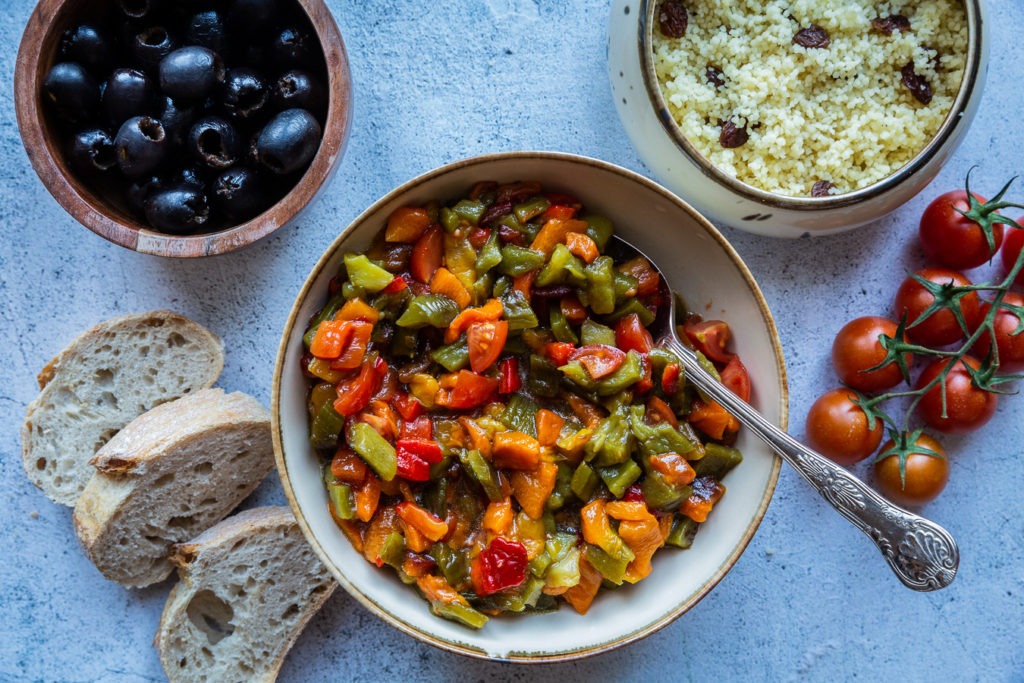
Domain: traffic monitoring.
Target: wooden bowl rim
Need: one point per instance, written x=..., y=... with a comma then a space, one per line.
x=77, y=200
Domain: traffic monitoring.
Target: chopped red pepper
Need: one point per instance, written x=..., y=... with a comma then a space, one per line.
x=397, y=285
x=417, y=428
x=427, y=254
x=428, y=449
x=559, y=212
x=415, y=457
x=500, y=565
x=558, y=352
x=631, y=335
x=478, y=237
x=355, y=394
x=670, y=379
x=509, y=381
x=407, y=406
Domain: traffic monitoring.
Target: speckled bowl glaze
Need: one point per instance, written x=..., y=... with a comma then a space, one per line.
x=671, y=157
x=700, y=264
x=106, y=215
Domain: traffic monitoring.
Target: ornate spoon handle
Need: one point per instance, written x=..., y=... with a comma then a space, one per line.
x=922, y=554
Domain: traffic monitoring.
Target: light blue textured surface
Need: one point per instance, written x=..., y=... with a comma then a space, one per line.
x=809, y=600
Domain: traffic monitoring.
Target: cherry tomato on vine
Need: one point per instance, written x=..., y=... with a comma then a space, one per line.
x=1010, y=345
x=838, y=428
x=856, y=348
x=1012, y=247
x=966, y=408
x=939, y=328
x=952, y=240
x=924, y=475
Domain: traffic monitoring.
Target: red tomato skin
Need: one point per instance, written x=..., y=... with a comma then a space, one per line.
x=951, y=240
x=941, y=327
x=1012, y=246
x=710, y=337
x=837, y=428
x=1010, y=345
x=856, y=348
x=427, y=254
x=631, y=335
x=735, y=376
x=486, y=342
x=967, y=407
x=926, y=475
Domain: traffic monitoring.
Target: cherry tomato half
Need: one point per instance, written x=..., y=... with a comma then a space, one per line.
x=735, y=376
x=710, y=337
x=486, y=342
x=952, y=240
x=1012, y=247
x=1009, y=345
x=427, y=254
x=600, y=360
x=940, y=328
x=924, y=475
x=856, y=349
x=631, y=335
x=838, y=428
x=966, y=408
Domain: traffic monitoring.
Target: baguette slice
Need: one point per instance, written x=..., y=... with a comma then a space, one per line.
x=248, y=586
x=172, y=473
x=103, y=380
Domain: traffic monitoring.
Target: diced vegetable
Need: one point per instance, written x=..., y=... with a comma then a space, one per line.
x=375, y=450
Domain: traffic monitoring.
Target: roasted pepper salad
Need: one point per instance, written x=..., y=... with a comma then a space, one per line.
x=495, y=421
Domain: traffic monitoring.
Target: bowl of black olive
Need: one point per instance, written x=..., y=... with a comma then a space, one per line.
x=183, y=127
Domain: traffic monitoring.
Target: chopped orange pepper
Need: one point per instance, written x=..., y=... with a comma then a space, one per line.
x=532, y=488
x=367, y=497
x=416, y=567
x=357, y=309
x=427, y=523
x=643, y=538
x=515, y=451
x=498, y=517
x=646, y=275
x=549, y=426
x=444, y=282
x=674, y=468
x=712, y=419
x=492, y=310
x=356, y=337
x=580, y=244
x=572, y=309
x=664, y=525
x=329, y=340
x=594, y=522
x=659, y=411
x=348, y=467
x=406, y=224
x=414, y=540
x=706, y=492
x=582, y=594
x=554, y=232
x=437, y=589
x=382, y=524
x=350, y=529
x=590, y=414
x=524, y=283
x=479, y=438
x=632, y=510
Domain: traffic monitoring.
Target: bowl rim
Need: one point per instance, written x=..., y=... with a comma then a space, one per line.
x=330, y=256
x=973, y=73
x=49, y=18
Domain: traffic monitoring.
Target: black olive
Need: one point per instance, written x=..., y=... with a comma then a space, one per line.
x=239, y=193
x=293, y=46
x=177, y=209
x=300, y=89
x=252, y=15
x=176, y=118
x=88, y=46
x=196, y=176
x=92, y=150
x=191, y=73
x=215, y=142
x=207, y=29
x=128, y=93
x=140, y=145
x=245, y=93
x=289, y=141
x=138, y=191
x=150, y=45
x=71, y=91
x=140, y=9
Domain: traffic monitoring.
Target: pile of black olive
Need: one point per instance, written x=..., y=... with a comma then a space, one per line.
x=198, y=114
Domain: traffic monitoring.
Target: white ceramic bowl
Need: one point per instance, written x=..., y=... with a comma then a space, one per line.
x=673, y=160
x=699, y=263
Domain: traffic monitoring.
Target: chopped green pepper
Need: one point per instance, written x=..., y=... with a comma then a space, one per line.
x=455, y=611
x=619, y=477
x=683, y=532
x=470, y=210
x=560, y=326
x=661, y=495
x=531, y=208
x=375, y=450
x=718, y=460
x=518, y=312
x=342, y=502
x=611, y=568
x=596, y=333
x=365, y=274
x=326, y=427
x=543, y=379
x=481, y=471
x=612, y=441
x=490, y=254
x=452, y=357
x=435, y=310
x=520, y=415
x=517, y=261
x=584, y=481
x=562, y=268
x=600, y=285
x=599, y=229
x=657, y=438
x=632, y=306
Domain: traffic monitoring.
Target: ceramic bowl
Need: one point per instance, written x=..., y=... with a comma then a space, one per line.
x=700, y=264
x=103, y=213
x=726, y=200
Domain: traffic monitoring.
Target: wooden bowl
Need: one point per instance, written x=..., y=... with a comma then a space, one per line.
x=103, y=214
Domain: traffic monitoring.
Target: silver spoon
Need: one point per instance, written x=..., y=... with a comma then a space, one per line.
x=922, y=554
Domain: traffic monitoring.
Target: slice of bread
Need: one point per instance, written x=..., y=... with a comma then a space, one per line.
x=248, y=586
x=103, y=380
x=170, y=474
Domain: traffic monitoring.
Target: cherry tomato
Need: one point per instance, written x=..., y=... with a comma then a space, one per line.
x=600, y=360
x=856, y=349
x=486, y=342
x=838, y=428
x=631, y=335
x=427, y=254
x=710, y=338
x=940, y=328
x=924, y=475
x=1012, y=247
x=967, y=407
x=1005, y=324
x=735, y=376
x=952, y=240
